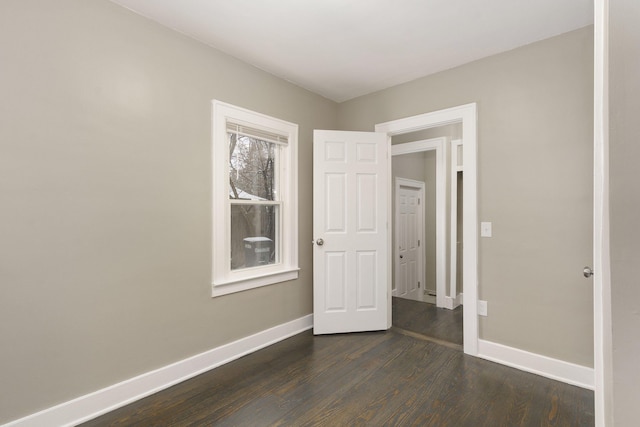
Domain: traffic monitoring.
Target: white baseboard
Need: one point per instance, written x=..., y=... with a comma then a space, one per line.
x=452, y=303
x=459, y=299
x=555, y=369
x=102, y=401
x=448, y=303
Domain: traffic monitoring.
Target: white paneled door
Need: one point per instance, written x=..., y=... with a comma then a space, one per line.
x=409, y=236
x=350, y=226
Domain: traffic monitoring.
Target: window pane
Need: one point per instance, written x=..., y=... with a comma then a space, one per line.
x=253, y=235
x=252, y=168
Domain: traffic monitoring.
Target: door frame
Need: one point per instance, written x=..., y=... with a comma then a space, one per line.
x=440, y=146
x=420, y=186
x=455, y=167
x=602, y=310
x=467, y=115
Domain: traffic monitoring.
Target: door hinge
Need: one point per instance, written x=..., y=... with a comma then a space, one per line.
x=418, y=285
x=418, y=242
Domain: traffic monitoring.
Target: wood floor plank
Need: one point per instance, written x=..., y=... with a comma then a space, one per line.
x=271, y=372
x=426, y=319
x=368, y=379
x=366, y=401
x=331, y=399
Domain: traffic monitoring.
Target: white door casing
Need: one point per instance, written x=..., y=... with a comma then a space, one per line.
x=602, y=315
x=409, y=239
x=350, y=225
x=454, y=242
x=467, y=115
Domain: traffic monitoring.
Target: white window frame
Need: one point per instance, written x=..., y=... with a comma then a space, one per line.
x=224, y=279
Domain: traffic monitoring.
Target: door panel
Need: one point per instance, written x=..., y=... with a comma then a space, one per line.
x=335, y=285
x=366, y=299
x=350, y=220
x=336, y=203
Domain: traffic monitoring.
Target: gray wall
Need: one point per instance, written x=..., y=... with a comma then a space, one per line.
x=535, y=184
x=625, y=207
x=105, y=182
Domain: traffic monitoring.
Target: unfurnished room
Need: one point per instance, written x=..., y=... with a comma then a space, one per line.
x=304, y=212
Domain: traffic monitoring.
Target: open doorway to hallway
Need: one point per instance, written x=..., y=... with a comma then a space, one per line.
x=427, y=233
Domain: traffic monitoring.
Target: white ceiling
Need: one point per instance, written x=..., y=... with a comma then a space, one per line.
x=342, y=49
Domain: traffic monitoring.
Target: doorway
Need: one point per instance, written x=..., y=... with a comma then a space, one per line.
x=425, y=160
x=434, y=311
x=465, y=116
x=353, y=263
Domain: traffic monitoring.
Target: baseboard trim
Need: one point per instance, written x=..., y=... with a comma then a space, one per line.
x=555, y=369
x=448, y=303
x=102, y=401
x=452, y=303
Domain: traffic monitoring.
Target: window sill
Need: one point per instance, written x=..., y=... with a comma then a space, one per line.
x=225, y=287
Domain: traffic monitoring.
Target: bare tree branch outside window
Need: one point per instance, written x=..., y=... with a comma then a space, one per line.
x=252, y=165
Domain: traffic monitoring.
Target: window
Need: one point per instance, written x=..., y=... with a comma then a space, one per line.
x=255, y=212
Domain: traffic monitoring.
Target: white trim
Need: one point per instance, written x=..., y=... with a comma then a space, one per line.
x=94, y=404
x=602, y=331
x=453, y=225
x=452, y=303
x=449, y=302
x=467, y=114
x=223, y=279
x=548, y=367
x=421, y=187
x=439, y=145
x=418, y=146
x=224, y=288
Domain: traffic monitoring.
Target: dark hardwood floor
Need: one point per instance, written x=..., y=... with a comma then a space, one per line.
x=426, y=319
x=373, y=379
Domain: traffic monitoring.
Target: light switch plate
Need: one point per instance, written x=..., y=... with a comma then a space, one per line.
x=482, y=308
x=485, y=229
